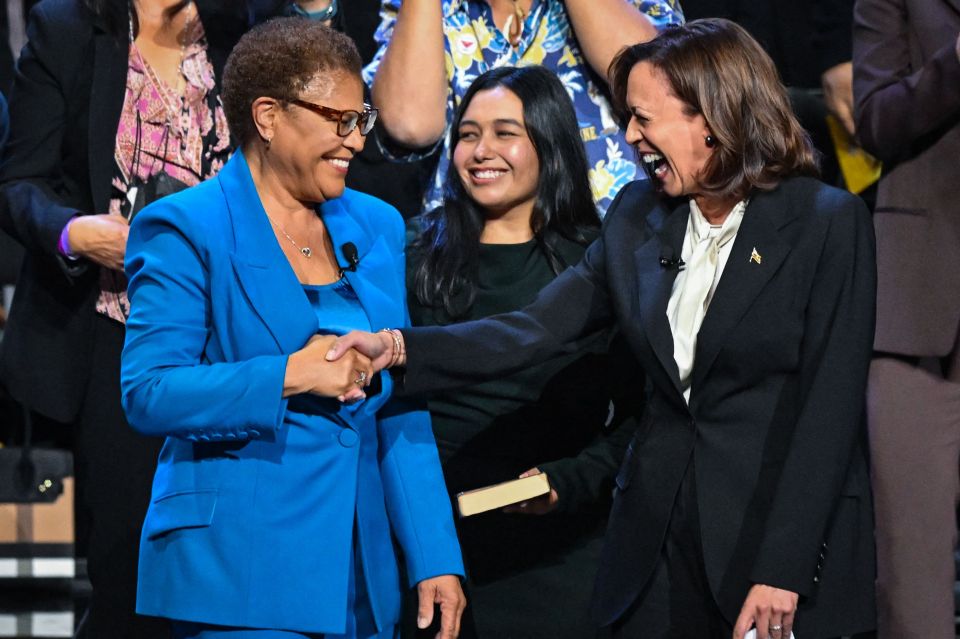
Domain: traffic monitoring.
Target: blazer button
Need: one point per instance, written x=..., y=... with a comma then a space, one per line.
x=348, y=438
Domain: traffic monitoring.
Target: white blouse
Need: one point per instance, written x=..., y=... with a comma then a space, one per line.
x=706, y=248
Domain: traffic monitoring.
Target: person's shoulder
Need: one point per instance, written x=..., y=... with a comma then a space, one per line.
x=637, y=204
x=414, y=228
x=60, y=33
x=192, y=212
x=369, y=208
x=65, y=19
x=836, y=217
x=822, y=203
x=374, y=215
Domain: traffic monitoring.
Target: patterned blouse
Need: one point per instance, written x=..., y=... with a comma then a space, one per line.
x=473, y=45
x=178, y=131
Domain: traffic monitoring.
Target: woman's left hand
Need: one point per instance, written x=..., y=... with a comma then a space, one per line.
x=538, y=505
x=770, y=609
x=446, y=591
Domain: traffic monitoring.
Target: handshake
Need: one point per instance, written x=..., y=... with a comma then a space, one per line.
x=342, y=367
x=365, y=354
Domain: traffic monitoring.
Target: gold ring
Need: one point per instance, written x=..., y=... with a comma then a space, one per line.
x=361, y=378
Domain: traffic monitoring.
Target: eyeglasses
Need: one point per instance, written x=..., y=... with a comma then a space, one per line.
x=347, y=120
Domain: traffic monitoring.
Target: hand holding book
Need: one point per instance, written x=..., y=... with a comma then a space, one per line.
x=538, y=505
x=515, y=495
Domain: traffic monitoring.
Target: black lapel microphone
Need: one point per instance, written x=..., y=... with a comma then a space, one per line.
x=349, y=251
x=667, y=260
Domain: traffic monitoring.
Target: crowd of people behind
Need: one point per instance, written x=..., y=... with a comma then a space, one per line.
x=297, y=273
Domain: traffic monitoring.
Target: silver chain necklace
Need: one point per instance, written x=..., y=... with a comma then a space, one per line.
x=305, y=250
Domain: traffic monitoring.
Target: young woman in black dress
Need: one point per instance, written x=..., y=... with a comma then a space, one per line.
x=519, y=211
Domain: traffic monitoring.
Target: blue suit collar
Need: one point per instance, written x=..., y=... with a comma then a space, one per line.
x=266, y=276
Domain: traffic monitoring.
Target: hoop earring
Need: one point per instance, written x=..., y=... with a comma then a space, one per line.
x=710, y=141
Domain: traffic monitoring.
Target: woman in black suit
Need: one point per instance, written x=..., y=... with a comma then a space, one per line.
x=743, y=500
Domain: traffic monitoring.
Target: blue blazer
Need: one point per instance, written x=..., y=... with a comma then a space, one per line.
x=252, y=516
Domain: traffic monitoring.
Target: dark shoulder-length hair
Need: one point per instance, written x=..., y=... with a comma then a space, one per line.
x=449, y=242
x=719, y=71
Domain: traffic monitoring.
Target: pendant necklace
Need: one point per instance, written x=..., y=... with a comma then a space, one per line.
x=514, y=24
x=304, y=250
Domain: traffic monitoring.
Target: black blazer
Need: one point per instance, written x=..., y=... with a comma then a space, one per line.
x=775, y=416
x=64, y=111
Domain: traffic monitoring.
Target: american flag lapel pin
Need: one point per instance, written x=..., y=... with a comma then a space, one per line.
x=755, y=257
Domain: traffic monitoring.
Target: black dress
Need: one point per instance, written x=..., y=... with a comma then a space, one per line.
x=532, y=576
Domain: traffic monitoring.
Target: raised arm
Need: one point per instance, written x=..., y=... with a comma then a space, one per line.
x=897, y=101
x=410, y=85
x=603, y=27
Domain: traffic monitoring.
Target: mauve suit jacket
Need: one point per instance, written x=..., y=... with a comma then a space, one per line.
x=907, y=90
x=774, y=423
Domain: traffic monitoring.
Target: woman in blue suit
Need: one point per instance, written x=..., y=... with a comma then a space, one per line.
x=273, y=503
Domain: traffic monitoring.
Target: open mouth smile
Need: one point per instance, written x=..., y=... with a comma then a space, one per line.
x=486, y=175
x=655, y=165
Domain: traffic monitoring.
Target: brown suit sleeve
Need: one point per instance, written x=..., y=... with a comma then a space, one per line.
x=897, y=102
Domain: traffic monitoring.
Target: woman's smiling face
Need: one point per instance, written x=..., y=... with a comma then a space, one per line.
x=313, y=158
x=494, y=157
x=670, y=138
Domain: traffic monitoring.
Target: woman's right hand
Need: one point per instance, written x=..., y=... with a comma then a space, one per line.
x=100, y=238
x=309, y=371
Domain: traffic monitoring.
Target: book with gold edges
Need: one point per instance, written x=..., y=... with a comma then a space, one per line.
x=481, y=500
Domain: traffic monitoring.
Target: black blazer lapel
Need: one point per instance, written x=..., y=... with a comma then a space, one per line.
x=655, y=283
x=106, y=103
x=743, y=277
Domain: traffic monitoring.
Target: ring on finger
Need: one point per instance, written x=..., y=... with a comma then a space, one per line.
x=361, y=378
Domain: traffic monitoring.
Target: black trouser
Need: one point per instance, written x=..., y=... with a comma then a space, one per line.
x=114, y=470
x=677, y=603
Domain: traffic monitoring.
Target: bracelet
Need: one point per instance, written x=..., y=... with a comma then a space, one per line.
x=63, y=246
x=398, y=350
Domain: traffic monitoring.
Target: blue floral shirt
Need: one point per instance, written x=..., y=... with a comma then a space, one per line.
x=473, y=44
